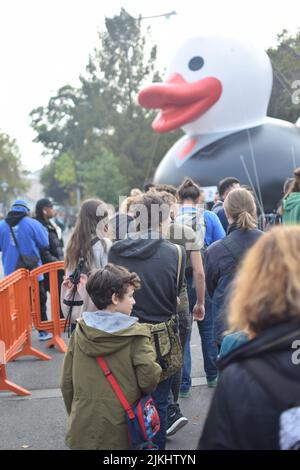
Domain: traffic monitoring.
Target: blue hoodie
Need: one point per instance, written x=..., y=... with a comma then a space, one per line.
x=30, y=234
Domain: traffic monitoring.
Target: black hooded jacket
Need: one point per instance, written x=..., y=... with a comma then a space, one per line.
x=243, y=416
x=155, y=260
x=13, y=218
x=55, y=251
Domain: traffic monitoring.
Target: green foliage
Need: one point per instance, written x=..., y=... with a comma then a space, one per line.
x=52, y=186
x=10, y=167
x=285, y=60
x=102, y=178
x=65, y=170
x=101, y=120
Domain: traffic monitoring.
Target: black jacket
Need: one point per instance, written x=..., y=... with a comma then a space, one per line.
x=242, y=415
x=55, y=251
x=219, y=262
x=220, y=268
x=155, y=261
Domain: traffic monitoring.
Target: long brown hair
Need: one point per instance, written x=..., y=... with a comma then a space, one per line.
x=240, y=205
x=294, y=186
x=266, y=290
x=92, y=221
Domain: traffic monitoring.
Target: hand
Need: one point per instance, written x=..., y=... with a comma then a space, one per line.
x=82, y=283
x=199, y=312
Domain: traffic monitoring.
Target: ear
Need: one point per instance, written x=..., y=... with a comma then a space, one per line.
x=114, y=299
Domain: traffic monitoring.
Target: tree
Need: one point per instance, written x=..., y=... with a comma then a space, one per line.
x=52, y=186
x=285, y=60
x=103, y=179
x=120, y=67
x=103, y=111
x=11, y=176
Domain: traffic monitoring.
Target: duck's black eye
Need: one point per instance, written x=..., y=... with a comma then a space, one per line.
x=196, y=63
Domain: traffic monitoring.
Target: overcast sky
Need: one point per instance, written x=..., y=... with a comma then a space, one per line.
x=44, y=44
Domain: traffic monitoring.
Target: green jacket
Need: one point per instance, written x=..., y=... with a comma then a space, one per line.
x=96, y=417
x=291, y=209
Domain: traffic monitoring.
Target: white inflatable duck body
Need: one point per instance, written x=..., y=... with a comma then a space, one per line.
x=218, y=91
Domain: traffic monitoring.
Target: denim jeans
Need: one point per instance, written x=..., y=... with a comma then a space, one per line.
x=160, y=398
x=208, y=343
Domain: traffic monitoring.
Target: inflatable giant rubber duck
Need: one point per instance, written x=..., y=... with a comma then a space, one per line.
x=217, y=91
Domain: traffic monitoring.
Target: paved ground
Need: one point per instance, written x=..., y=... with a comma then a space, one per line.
x=39, y=421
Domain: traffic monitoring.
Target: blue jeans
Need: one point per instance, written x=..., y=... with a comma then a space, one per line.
x=160, y=398
x=208, y=343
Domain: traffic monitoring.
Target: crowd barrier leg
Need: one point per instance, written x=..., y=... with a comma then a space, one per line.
x=56, y=325
x=15, y=326
x=28, y=350
x=7, y=385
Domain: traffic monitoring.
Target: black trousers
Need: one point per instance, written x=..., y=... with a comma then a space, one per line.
x=60, y=278
x=43, y=301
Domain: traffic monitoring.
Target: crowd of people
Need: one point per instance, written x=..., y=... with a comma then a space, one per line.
x=145, y=273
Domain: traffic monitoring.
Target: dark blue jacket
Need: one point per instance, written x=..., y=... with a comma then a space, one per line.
x=220, y=267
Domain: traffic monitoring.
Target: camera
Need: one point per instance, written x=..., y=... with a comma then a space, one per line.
x=75, y=275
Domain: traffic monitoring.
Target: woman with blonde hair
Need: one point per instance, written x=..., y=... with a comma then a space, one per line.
x=223, y=256
x=257, y=401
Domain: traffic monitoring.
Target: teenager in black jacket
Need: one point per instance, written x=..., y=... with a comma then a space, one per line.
x=257, y=400
x=44, y=212
x=223, y=256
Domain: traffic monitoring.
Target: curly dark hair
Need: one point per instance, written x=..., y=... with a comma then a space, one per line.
x=150, y=210
x=111, y=279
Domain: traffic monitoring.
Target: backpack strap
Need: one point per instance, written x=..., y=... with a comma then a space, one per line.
x=179, y=265
x=233, y=247
x=108, y=374
x=17, y=244
x=94, y=241
x=277, y=385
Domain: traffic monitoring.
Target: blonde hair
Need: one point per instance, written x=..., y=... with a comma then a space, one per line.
x=266, y=289
x=125, y=205
x=135, y=192
x=240, y=205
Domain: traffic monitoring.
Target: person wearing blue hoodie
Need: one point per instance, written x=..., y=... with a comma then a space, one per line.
x=32, y=238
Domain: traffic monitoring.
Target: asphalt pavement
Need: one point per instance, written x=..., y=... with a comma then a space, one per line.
x=39, y=420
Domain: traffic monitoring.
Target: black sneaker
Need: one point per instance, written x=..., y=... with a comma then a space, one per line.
x=175, y=419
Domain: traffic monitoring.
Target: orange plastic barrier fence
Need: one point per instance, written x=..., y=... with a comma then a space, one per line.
x=55, y=325
x=15, y=326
